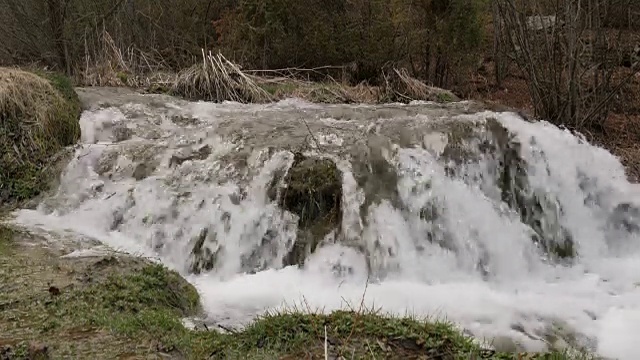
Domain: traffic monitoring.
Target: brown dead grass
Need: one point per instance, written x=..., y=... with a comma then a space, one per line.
x=38, y=117
x=328, y=92
x=399, y=86
x=37, y=105
x=217, y=79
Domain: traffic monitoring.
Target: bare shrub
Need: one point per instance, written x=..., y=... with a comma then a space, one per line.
x=111, y=65
x=569, y=57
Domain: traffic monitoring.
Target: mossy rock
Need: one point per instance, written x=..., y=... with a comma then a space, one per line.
x=517, y=193
x=313, y=191
x=202, y=257
x=39, y=116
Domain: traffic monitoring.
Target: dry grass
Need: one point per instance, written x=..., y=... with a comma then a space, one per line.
x=218, y=79
x=328, y=92
x=111, y=65
x=37, y=104
x=399, y=86
x=37, y=120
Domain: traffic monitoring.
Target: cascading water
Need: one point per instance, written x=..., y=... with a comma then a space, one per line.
x=508, y=228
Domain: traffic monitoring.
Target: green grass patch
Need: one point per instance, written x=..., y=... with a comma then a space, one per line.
x=127, y=308
x=148, y=306
x=38, y=117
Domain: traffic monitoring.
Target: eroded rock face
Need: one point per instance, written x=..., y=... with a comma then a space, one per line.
x=202, y=257
x=540, y=211
x=313, y=191
x=506, y=169
x=374, y=174
x=199, y=153
x=625, y=217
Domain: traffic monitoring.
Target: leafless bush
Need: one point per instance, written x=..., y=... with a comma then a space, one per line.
x=569, y=57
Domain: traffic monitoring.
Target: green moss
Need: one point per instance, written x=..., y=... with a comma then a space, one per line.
x=444, y=97
x=159, y=89
x=123, y=77
x=38, y=118
x=281, y=89
x=314, y=193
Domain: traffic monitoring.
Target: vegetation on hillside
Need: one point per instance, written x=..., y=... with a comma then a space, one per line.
x=576, y=57
x=38, y=118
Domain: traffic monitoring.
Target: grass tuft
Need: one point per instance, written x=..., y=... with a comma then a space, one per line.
x=218, y=79
x=399, y=86
x=38, y=117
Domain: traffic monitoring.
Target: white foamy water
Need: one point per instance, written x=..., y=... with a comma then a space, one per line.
x=188, y=169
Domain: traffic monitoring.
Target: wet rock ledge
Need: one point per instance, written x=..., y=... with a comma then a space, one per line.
x=312, y=189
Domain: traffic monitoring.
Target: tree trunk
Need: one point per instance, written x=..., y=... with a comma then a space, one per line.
x=57, y=12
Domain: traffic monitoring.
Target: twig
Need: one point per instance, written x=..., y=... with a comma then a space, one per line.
x=326, y=346
x=311, y=133
x=371, y=351
x=227, y=329
x=359, y=312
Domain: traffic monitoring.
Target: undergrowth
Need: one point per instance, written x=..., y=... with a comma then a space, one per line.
x=38, y=117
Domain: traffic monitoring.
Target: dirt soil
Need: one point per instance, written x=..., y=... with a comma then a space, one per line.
x=40, y=288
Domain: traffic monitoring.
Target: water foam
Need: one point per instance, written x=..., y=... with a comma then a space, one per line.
x=479, y=269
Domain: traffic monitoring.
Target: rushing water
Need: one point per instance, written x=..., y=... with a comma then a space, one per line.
x=439, y=208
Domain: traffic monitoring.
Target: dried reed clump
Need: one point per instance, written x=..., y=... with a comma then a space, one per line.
x=110, y=65
x=399, y=86
x=37, y=118
x=218, y=79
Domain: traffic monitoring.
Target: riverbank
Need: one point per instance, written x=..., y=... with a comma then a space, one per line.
x=60, y=300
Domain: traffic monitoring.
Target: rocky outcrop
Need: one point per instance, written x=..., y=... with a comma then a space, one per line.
x=313, y=191
x=540, y=211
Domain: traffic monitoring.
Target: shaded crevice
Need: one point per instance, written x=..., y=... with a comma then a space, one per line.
x=203, y=259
